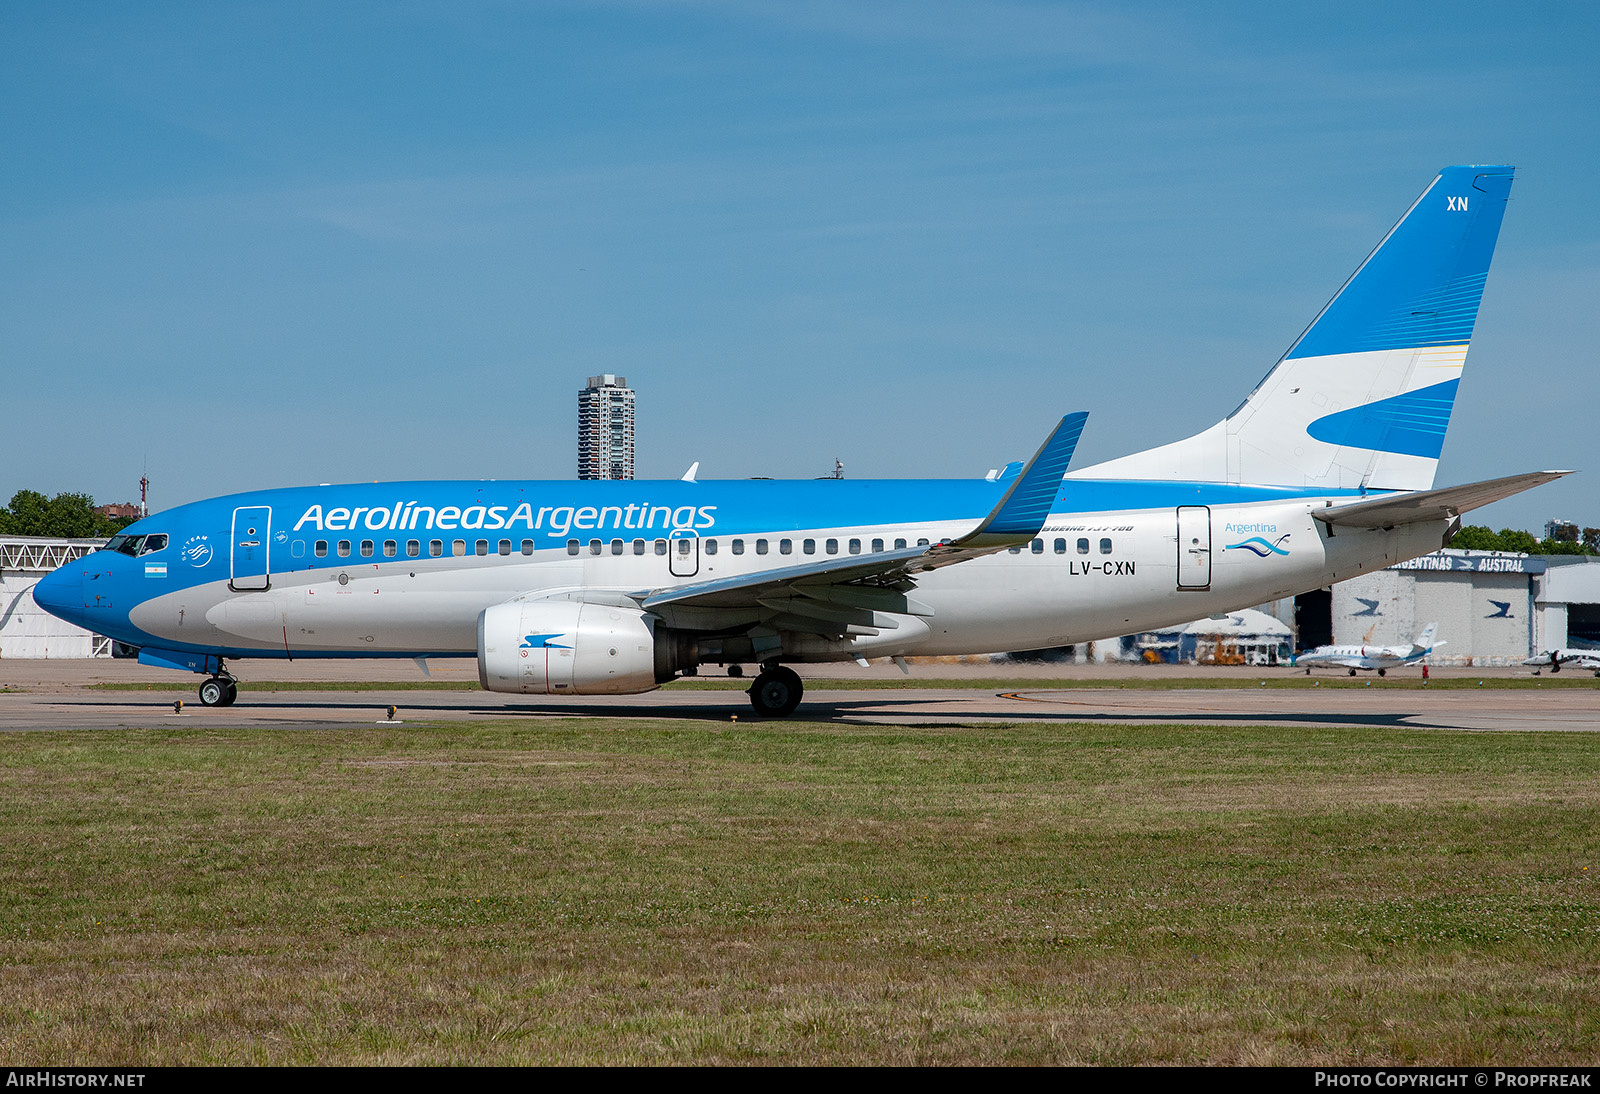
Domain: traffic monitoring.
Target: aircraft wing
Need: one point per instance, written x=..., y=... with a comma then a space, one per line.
x=854, y=584
x=1429, y=505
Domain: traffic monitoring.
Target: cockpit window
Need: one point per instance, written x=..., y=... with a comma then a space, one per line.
x=134, y=546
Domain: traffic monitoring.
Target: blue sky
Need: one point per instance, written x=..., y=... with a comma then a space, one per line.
x=260, y=245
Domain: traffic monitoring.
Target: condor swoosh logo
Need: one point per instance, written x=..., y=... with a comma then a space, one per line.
x=1260, y=547
x=542, y=642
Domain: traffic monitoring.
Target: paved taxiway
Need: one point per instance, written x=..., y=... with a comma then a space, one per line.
x=60, y=695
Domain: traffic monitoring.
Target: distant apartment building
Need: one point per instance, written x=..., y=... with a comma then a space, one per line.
x=605, y=428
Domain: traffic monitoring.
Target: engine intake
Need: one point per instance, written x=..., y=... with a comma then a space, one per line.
x=558, y=647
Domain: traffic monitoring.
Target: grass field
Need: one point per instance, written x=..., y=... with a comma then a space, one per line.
x=638, y=891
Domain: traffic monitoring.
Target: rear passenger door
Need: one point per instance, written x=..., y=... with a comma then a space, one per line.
x=1194, y=547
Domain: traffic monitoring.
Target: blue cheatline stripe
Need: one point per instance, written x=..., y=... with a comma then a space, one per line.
x=1030, y=500
x=1422, y=286
x=1412, y=424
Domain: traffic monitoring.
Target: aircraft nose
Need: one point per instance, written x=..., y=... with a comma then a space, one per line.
x=60, y=593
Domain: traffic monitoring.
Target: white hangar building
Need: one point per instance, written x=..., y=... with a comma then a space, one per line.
x=1492, y=607
x=26, y=630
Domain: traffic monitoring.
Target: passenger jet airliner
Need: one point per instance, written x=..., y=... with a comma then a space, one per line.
x=1324, y=472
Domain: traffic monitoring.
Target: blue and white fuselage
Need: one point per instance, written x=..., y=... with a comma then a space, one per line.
x=1323, y=473
x=404, y=569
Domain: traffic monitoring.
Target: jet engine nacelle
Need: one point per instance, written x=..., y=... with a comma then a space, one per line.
x=558, y=647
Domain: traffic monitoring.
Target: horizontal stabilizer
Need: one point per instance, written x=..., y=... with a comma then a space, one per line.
x=1428, y=505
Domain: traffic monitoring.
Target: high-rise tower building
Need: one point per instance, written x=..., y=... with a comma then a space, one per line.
x=605, y=428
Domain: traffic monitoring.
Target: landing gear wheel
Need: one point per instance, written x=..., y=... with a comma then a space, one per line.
x=1383, y=672
x=219, y=691
x=1352, y=672
x=776, y=692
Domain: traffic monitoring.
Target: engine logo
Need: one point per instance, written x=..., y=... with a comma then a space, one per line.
x=542, y=642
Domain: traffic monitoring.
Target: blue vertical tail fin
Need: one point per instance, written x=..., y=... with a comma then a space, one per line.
x=1363, y=397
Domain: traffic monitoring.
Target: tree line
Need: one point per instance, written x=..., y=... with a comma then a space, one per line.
x=65, y=515
x=1568, y=540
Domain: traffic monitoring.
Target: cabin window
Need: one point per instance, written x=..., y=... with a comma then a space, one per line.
x=527, y=546
x=899, y=544
x=616, y=546
x=366, y=548
x=1105, y=546
x=1038, y=546
x=572, y=546
x=504, y=546
x=481, y=547
x=809, y=546
x=1083, y=546
x=661, y=546
x=877, y=545
x=786, y=546
x=344, y=548
x=595, y=547
x=1061, y=546
x=738, y=546
x=922, y=543
x=458, y=548
x=638, y=546
x=298, y=548
x=413, y=548
x=1015, y=550
x=711, y=546
x=683, y=547
x=436, y=548
x=390, y=548
x=855, y=546
x=761, y=546
x=833, y=546
x=320, y=548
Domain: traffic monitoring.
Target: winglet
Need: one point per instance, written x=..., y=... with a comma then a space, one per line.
x=1021, y=512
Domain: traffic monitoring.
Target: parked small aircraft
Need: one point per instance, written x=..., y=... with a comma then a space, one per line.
x=1556, y=660
x=1367, y=658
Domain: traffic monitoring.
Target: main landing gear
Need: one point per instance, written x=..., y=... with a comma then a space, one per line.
x=219, y=691
x=776, y=692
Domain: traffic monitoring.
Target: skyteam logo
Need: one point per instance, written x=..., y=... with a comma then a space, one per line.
x=1257, y=545
x=196, y=551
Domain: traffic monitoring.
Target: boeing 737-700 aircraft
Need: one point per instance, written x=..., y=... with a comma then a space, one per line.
x=1325, y=471
x=1367, y=658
